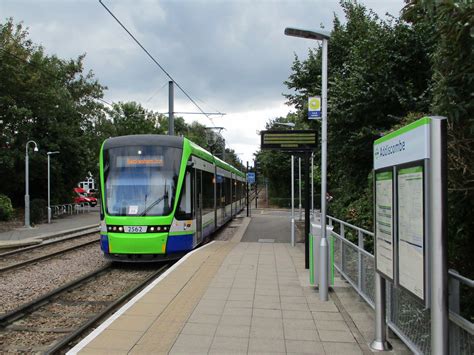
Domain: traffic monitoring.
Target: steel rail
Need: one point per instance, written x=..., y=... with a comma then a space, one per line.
x=43, y=257
x=79, y=331
x=9, y=317
x=63, y=238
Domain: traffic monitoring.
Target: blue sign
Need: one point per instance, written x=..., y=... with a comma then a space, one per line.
x=251, y=177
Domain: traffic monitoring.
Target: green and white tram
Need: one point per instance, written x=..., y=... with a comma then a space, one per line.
x=162, y=196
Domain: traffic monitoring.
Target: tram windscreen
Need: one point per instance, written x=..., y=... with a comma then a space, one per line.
x=141, y=180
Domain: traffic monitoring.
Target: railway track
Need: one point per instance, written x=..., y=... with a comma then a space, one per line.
x=49, y=323
x=25, y=256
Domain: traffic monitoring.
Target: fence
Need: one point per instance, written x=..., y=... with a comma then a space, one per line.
x=406, y=316
x=68, y=209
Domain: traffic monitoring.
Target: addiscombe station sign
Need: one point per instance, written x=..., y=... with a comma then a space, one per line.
x=410, y=207
x=400, y=160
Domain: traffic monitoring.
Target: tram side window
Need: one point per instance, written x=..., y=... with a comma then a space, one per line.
x=220, y=190
x=235, y=191
x=207, y=191
x=227, y=186
x=185, y=209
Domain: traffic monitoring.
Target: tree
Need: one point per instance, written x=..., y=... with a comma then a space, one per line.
x=453, y=87
x=379, y=71
x=47, y=99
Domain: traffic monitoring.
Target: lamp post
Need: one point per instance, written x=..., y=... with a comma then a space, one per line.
x=323, y=250
x=27, y=187
x=49, y=184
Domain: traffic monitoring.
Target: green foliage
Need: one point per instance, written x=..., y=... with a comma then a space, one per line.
x=38, y=210
x=379, y=72
x=55, y=103
x=47, y=99
x=6, y=208
x=453, y=88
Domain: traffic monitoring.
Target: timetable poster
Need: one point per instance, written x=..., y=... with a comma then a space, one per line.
x=410, y=230
x=384, y=222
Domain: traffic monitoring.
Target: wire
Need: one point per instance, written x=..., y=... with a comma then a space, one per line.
x=156, y=92
x=155, y=61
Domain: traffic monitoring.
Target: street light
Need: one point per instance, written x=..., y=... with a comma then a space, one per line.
x=49, y=184
x=323, y=250
x=27, y=187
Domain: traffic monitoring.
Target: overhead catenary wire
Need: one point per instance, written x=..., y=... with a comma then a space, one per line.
x=156, y=62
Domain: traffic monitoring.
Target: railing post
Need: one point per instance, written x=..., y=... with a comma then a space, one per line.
x=359, y=261
x=343, y=254
x=454, y=306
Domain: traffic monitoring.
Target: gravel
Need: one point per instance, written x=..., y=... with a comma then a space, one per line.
x=23, y=285
x=46, y=249
x=70, y=310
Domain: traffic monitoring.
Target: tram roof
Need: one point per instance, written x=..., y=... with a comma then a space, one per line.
x=144, y=139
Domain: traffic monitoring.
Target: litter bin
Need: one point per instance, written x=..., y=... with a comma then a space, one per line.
x=314, y=243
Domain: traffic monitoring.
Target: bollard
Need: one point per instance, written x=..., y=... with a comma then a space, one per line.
x=380, y=342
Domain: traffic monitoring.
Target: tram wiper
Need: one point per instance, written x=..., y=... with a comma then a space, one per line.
x=154, y=204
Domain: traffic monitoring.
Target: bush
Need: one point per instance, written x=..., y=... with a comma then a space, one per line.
x=38, y=210
x=6, y=208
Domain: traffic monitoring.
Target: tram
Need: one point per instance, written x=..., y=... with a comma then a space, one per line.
x=162, y=196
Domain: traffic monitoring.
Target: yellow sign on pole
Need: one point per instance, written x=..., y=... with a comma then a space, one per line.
x=314, y=107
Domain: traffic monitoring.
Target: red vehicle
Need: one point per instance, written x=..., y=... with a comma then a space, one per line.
x=84, y=198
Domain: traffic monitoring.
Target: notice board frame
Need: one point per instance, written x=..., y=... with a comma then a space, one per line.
x=424, y=164
x=378, y=171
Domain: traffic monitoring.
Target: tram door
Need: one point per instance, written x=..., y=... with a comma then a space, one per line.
x=198, y=203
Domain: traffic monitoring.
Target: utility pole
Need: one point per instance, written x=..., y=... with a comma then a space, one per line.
x=171, y=109
x=299, y=182
x=256, y=182
x=312, y=185
x=292, y=200
x=223, y=150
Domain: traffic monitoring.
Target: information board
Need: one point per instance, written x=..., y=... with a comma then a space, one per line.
x=297, y=141
x=411, y=229
x=384, y=223
x=251, y=177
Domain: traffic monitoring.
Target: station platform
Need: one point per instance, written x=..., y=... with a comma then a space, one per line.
x=64, y=225
x=249, y=294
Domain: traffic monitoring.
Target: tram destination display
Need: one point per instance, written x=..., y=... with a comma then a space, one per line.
x=384, y=222
x=411, y=230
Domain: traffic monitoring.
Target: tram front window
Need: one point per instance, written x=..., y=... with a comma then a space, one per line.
x=141, y=180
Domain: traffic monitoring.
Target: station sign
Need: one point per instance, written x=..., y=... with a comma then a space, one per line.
x=400, y=160
x=251, y=177
x=293, y=141
x=314, y=107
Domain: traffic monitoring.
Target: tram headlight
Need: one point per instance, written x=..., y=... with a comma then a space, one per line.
x=152, y=229
x=120, y=229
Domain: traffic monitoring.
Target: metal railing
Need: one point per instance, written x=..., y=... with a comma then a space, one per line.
x=406, y=315
x=68, y=209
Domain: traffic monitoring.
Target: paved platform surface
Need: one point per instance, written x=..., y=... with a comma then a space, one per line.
x=236, y=297
x=57, y=226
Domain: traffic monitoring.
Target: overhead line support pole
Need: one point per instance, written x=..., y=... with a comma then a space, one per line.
x=307, y=190
x=171, y=109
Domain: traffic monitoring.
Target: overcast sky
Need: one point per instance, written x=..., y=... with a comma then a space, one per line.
x=230, y=56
